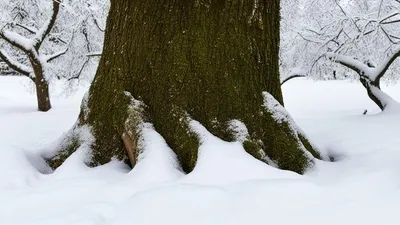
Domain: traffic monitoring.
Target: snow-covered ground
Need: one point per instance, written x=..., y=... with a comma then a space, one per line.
x=228, y=187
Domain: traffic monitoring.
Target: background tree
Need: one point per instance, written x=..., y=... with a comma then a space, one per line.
x=338, y=38
x=31, y=47
x=44, y=40
x=170, y=63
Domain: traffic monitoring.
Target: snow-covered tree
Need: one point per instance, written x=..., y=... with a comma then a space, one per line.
x=338, y=37
x=43, y=40
x=31, y=47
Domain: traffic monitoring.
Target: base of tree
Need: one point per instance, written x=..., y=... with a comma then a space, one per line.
x=271, y=137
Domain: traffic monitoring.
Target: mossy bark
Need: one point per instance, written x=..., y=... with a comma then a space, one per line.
x=207, y=60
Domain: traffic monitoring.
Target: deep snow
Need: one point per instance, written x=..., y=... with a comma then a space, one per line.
x=228, y=187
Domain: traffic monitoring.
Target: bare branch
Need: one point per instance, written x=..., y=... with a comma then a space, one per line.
x=307, y=39
x=349, y=62
x=46, y=28
x=389, y=37
x=31, y=30
x=78, y=75
x=94, y=54
x=16, y=40
x=344, y=13
x=292, y=77
x=391, y=22
x=56, y=55
x=386, y=64
x=97, y=24
x=389, y=17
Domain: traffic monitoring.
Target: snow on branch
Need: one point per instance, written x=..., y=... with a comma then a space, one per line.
x=94, y=54
x=16, y=40
x=384, y=66
x=46, y=28
x=371, y=73
x=351, y=63
x=15, y=65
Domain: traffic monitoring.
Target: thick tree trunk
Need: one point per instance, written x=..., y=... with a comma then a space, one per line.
x=169, y=62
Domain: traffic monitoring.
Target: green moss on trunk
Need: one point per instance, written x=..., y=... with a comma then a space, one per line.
x=207, y=60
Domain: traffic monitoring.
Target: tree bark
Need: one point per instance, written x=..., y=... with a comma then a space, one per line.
x=42, y=87
x=209, y=61
x=379, y=97
x=368, y=86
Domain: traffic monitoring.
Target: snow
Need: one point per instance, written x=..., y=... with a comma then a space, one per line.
x=222, y=163
x=227, y=186
x=158, y=163
x=239, y=130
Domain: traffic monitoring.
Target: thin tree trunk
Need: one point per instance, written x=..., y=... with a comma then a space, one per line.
x=42, y=87
x=42, y=94
x=209, y=61
x=32, y=52
x=380, y=98
x=369, y=86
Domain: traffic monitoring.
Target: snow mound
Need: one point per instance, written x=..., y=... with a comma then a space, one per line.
x=157, y=162
x=222, y=163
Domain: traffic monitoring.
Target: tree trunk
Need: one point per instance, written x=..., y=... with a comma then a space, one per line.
x=371, y=94
x=42, y=86
x=380, y=98
x=169, y=62
x=42, y=95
